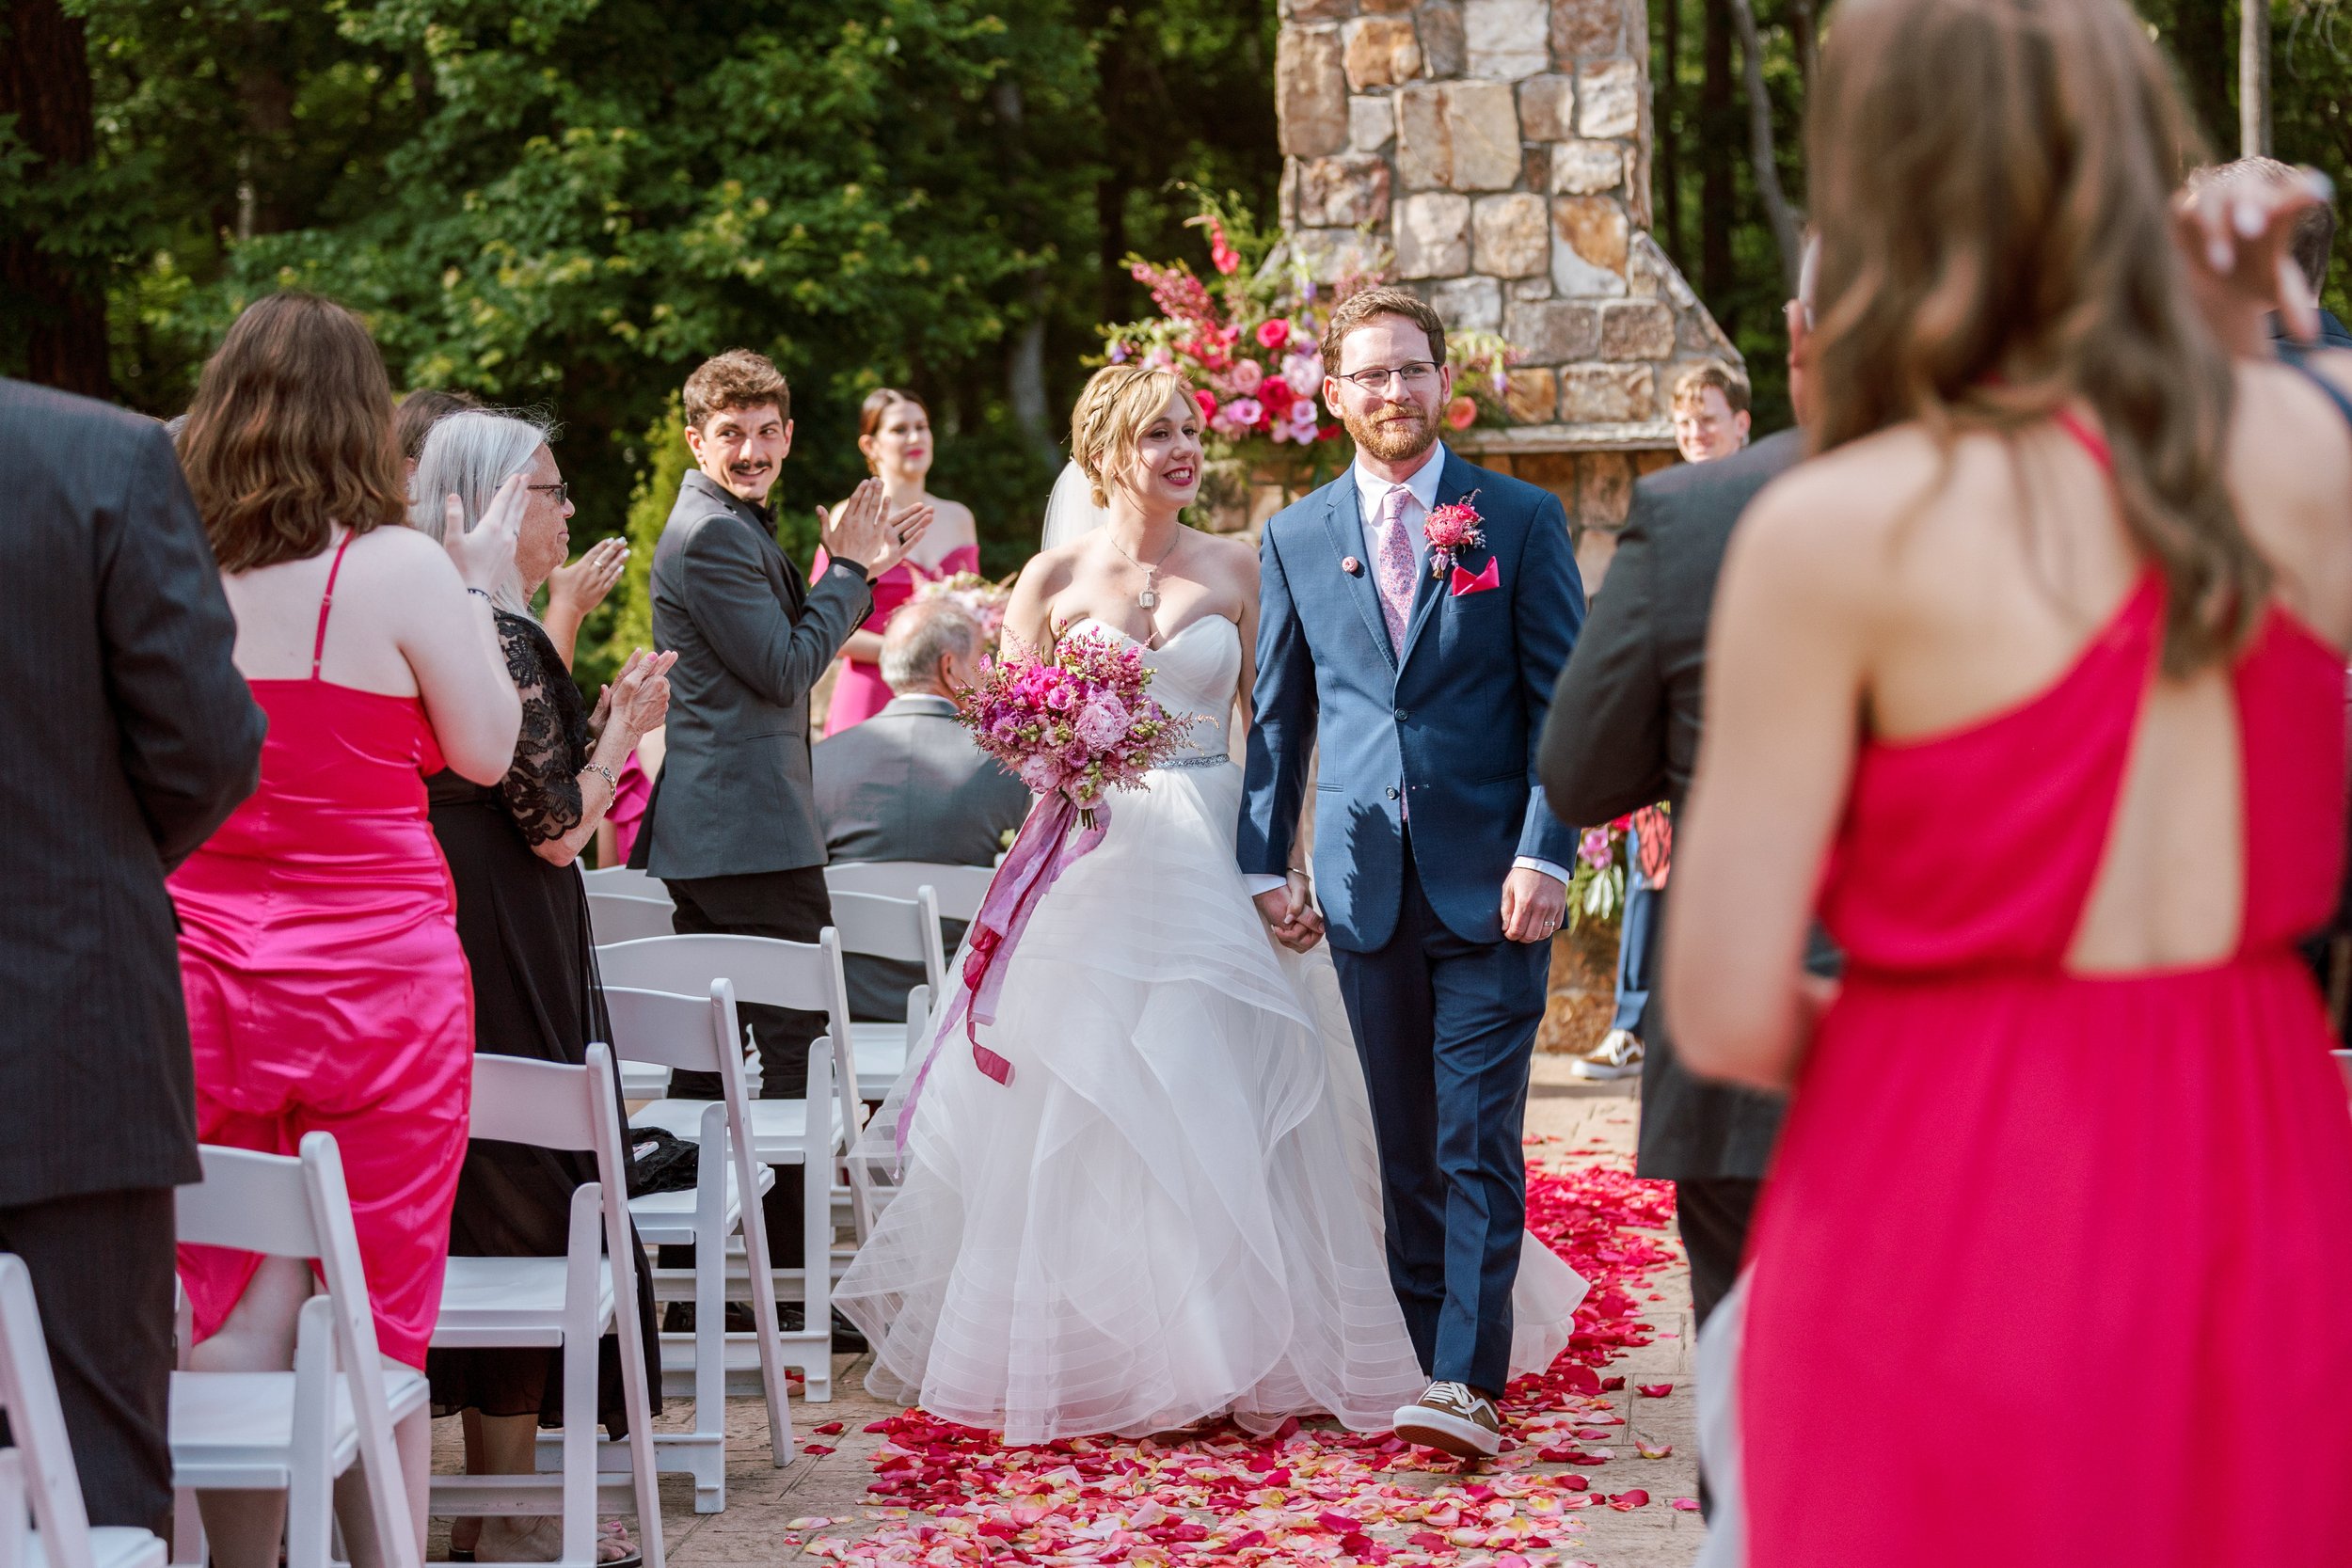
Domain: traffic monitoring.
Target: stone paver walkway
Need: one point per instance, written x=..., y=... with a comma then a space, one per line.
x=1589, y=1122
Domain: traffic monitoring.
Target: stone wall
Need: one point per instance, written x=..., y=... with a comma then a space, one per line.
x=1500, y=149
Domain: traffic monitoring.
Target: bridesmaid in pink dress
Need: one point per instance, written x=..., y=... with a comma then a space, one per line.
x=894, y=431
x=325, y=988
x=2035, y=673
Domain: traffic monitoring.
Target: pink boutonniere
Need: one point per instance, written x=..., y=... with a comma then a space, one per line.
x=1452, y=530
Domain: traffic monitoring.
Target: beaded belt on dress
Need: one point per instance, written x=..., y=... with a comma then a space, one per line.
x=1207, y=759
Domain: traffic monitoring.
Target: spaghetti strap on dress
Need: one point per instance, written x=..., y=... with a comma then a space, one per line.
x=325, y=988
x=2052, y=1267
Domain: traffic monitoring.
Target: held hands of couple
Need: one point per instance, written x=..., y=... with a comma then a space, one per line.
x=865, y=530
x=1289, y=913
x=485, y=554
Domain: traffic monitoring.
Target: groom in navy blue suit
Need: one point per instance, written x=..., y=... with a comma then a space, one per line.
x=1439, y=870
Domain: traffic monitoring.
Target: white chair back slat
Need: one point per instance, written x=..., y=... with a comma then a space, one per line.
x=622, y=917
x=906, y=930
x=958, y=888
x=28, y=1392
x=626, y=881
x=541, y=1103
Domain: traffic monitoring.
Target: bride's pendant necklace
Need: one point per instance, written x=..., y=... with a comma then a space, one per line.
x=1149, y=600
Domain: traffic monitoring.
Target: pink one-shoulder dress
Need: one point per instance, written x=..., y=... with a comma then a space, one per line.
x=325, y=988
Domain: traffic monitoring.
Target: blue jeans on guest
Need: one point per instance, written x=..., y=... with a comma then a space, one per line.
x=1637, y=943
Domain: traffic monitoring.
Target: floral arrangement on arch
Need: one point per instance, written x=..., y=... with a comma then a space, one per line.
x=1596, y=880
x=1248, y=337
x=982, y=598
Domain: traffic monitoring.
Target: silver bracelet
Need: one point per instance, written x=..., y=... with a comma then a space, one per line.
x=611, y=785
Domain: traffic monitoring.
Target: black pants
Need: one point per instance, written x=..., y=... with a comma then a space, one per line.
x=102, y=1268
x=1712, y=1215
x=794, y=905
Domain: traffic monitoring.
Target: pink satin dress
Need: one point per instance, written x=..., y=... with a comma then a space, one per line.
x=325, y=988
x=858, y=690
x=2056, y=1269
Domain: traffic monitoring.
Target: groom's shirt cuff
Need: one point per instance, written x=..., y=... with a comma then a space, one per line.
x=1259, y=884
x=1529, y=862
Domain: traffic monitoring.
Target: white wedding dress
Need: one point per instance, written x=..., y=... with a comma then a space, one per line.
x=1172, y=1210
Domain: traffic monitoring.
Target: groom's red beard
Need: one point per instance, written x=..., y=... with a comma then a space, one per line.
x=1392, y=433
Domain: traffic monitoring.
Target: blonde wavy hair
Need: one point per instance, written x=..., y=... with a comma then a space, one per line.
x=1991, y=181
x=1118, y=403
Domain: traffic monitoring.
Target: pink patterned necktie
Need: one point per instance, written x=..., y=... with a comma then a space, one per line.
x=1393, y=566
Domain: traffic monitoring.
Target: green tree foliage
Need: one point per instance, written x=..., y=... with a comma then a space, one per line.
x=569, y=204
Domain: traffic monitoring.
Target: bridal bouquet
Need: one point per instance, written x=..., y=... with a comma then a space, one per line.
x=1074, y=726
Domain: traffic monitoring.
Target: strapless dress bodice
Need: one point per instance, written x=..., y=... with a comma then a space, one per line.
x=1194, y=674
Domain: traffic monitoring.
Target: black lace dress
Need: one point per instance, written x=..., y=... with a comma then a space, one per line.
x=524, y=925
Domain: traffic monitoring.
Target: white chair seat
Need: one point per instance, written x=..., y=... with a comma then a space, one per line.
x=235, y=1429
x=492, y=1302
x=777, y=1125
x=882, y=1056
x=110, y=1547
x=666, y=1218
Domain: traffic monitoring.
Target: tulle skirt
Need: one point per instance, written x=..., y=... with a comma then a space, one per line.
x=1172, y=1209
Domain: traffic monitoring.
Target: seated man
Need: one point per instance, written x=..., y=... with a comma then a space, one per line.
x=909, y=785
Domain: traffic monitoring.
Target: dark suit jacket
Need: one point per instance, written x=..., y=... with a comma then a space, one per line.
x=734, y=794
x=1625, y=734
x=130, y=736
x=909, y=785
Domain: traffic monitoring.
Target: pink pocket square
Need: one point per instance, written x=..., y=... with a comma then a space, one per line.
x=1465, y=583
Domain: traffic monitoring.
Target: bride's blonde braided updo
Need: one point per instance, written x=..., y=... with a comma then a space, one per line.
x=1118, y=403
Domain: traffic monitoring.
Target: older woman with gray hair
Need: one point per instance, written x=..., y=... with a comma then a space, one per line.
x=522, y=918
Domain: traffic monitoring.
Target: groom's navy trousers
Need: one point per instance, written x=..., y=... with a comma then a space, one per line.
x=1446, y=1028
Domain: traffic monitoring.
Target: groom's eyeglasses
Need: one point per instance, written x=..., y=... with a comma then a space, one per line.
x=1416, y=376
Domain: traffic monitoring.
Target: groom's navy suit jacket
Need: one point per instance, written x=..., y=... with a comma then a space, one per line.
x=1452, y=721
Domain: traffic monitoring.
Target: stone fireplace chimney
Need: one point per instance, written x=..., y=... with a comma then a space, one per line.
x=1502, y=150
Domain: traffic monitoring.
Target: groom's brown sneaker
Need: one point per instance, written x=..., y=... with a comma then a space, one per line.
x=1453, y=1417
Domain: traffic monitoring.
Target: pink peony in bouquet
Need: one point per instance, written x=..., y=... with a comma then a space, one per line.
x=1075, y=726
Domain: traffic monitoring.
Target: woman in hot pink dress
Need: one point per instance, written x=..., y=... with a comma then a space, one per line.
x=325, y=988
x=894, y=431
x=2035, y=673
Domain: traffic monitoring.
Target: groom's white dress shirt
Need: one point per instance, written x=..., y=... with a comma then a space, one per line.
x=1421, y=489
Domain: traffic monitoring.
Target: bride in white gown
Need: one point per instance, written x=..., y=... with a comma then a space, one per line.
x=1172, y=1210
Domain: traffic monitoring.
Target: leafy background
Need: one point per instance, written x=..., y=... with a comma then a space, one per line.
x=567, y=203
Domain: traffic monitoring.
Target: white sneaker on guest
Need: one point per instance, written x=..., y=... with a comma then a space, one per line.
x=1617, y=1055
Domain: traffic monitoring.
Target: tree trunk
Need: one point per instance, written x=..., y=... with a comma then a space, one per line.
x=2253, y=79
x=1805, y=32
x=1718, y=130
x=45, y=83
x=1667, y=81
x=1787, y=233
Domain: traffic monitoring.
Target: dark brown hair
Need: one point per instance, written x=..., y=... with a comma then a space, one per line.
x=1992, y=181
x=291, y=433
x=1715, y=373
x=1361, y=307
x=422, y=409
x=878, y=402
x=739, y=378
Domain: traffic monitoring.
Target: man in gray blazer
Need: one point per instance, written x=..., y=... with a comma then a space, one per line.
x=130, y=736
x=732, y=826
x=909, y=785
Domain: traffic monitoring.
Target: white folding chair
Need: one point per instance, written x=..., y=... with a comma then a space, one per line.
x=699, y=1034
x=626, y=881
x=563, y=1302
x=960, y=889
x=623, y=917
x=297, y=1430
x=41, y=1463
x=906, y=930
x=816, y=1132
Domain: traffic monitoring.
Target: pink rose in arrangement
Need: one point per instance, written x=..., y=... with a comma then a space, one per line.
x=1462, y=413
x=1304, y=371
x=1247, y=376
x=1208, y=404
x=1103, y=722
x=1594, y=848
x=1272, y=334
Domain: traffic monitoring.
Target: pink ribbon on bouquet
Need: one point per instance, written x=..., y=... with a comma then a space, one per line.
x=1046, y=848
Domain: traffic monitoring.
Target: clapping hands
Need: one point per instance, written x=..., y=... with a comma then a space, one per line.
x=1289, y=913
x=2236, y=235
x=582, y=586
x=638, y=698
x=864, y=529
x=485, y=556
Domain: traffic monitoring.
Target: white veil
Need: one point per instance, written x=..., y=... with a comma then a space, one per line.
x=1071, y=515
